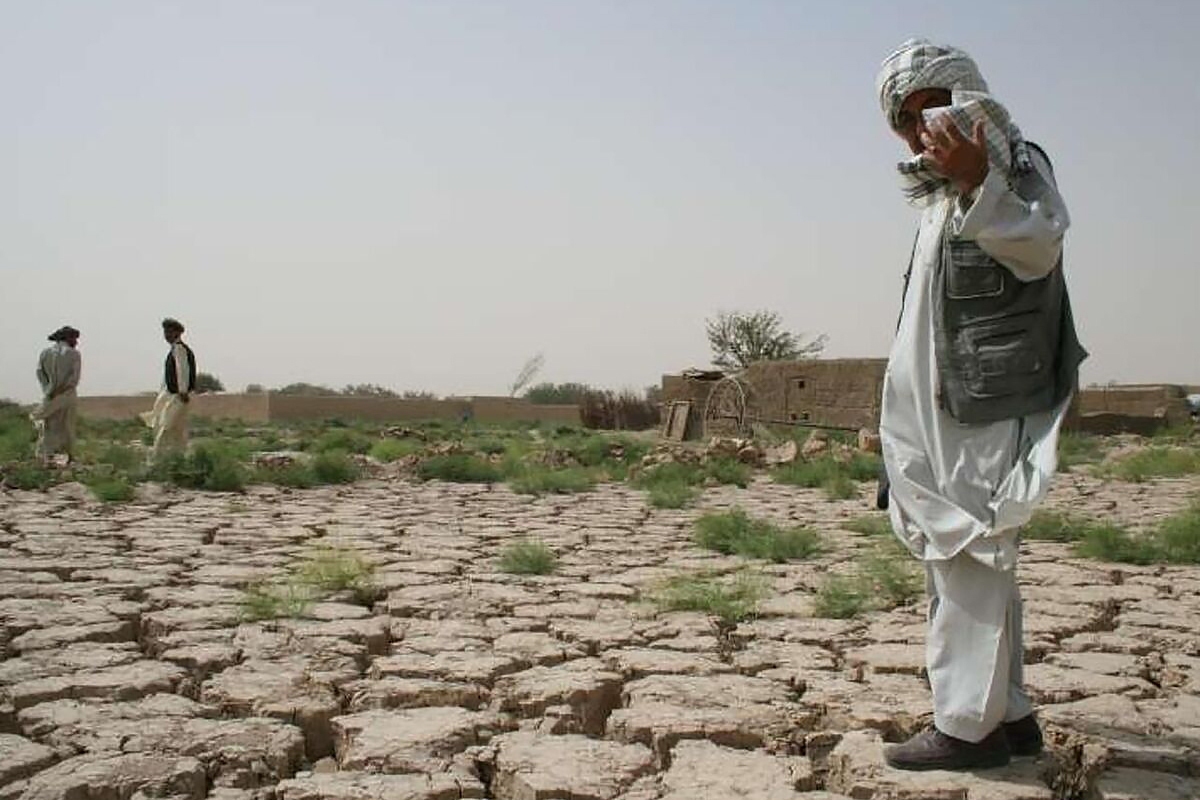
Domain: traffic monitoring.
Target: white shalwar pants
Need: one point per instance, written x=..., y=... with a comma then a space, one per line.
x=973, y=651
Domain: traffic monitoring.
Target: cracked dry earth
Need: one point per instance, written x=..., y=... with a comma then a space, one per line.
x=127, y=673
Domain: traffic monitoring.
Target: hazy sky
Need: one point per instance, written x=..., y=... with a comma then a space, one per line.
x=425, y=194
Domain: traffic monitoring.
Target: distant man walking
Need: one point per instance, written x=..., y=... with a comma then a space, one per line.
x=169, y=416
x=58, y=372
x=983, y=366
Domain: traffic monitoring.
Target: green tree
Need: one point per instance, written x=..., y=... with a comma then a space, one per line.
x=207, y=382
x=740, y=338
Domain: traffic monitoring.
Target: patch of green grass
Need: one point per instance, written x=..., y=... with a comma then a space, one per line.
x=1178, y=537
x=870, y=525
x=730, y=600
x=111, y=488
x=670, y=472
x=736, y=533
x=1153, y=462
x=334, y=467
x=389, y=450
x=728, y=471
x=120, y=457
x=16, y=434
x=345, y=440
x=296, y=475
x=528, y=558
x=208, y=466
x=335, y=569
x=263, y=601
x=30, y=476
x=1053, y=526
x=840, y=597
x=459, y=468
x=891, y=577
x=594, y=450
x=835, y=477
x=1075, y=448
x=863, y=466
x=672, y=495
x=544, y=480
x=1110, y=543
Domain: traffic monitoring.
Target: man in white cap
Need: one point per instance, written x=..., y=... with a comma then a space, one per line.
x=58, y=372
x=983, y=366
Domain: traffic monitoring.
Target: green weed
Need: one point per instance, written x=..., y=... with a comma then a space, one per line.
x=528, y=558
x=730, y=600
x=459, y=468
x=672, y=495
x=1153, y=462
x=544, y=480
x=840, y=597
x=736, y=533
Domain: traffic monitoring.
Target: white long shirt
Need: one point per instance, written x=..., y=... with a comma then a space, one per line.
x=959, y=487
x=59, y=368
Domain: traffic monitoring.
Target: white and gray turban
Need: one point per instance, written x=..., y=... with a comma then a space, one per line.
x=920, y=64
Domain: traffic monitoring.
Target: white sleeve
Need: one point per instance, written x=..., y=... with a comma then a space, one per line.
x=1024, y=235
x=181, y=368
x=74, y=369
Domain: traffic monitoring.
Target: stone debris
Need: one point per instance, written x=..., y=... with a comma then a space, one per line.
x=129, y=669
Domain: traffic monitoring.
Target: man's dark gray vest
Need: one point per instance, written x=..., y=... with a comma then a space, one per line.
x=1005, y=348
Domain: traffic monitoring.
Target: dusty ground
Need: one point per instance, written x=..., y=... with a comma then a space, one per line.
x=127, y=673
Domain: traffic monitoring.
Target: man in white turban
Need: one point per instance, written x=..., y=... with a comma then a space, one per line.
x=979, y=377
x=58, y=373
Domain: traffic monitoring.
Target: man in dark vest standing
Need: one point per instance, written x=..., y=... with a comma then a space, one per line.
x=979, y=378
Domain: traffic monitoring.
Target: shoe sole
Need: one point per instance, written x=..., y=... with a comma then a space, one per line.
x=992, y=763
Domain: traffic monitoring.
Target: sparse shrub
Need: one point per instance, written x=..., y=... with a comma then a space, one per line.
x=528, y=558
x=388, y=450
x=263, y=601
x=1110, y=543
x=208, y=466
x=344, y=439
x=120, y=457
x=840, y=487
x=1179, y=537
x=17, y=435
x=458, y=468
x=835, y=477
x=30, y=476
x=670, y=472
x=1076, y=448
x=675, y=494
x=840, y=597
x=335, y=570
x=491, y=446
x=874, y=525
x=111, y=488
x=735, y=533
x=543, y=480
x=334, y=467
x=728, y=471
x=1052, y=526
x=892, y=580
x=1154, y=462
x=296, y=475
x=730, y=600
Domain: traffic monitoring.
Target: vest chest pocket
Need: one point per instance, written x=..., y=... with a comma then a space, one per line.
x=971, y=273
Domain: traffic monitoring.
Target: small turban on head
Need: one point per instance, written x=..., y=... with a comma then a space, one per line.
x=172, y=324
x=63, y=333
x=920, y=64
